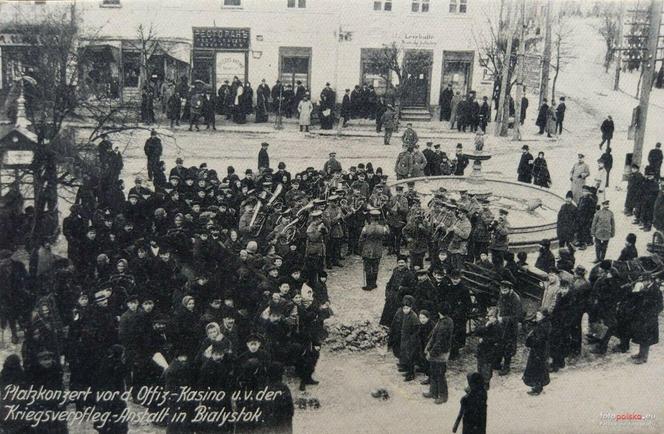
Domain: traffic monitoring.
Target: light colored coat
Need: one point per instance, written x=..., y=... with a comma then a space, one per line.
x=578, y=175
x=305, y=108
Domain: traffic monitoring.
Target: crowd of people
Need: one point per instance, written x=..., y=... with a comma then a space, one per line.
x=219, y=282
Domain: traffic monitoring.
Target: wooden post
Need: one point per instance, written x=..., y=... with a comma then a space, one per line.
x=546, y=58
x=505, y=71
x=616, y=82
x=648, y=66
x=520, y=67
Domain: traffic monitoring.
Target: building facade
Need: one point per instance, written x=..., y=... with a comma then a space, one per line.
x=312, y=41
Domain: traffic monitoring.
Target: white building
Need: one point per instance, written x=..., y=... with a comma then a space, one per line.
x=314, y=41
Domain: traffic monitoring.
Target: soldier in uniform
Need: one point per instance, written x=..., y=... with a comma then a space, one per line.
x=333, y=219
x=460, y=233
x=371, y=244
x=315, y=246
x=404, y=165
x=409, y=137
x=510, y=312
x=417, y=234
x=500, y=236
x=461, y=161
x=397, y=211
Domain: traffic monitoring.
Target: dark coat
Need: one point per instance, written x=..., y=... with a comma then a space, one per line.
x=541, y=175
x=655, y=158
x=634, y=182
x=263, y=159
x=400, y=284
x=567, y=222
x=440, y=340
x=525, y=170
x=542, y=115
x=511, y=311
x=473, y=406
x=545, y=261
x=644, y=325
x=537, y=366
x=607, y=129
x=409, y=338
x=658, y=212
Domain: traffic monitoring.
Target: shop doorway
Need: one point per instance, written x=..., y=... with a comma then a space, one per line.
x=416, y=84
x=295, y=65
x=458, y=70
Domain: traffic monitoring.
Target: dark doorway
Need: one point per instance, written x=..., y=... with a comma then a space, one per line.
x=418, y=79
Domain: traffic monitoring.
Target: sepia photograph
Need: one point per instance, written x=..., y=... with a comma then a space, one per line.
x=331, y=216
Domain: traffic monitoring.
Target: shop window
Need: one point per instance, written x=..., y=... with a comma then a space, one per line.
x=383, y=5
x=131, y=66
x=370, y=75
x=458, y=6
x=232, y=3
x=300, y=4
x=110, y=3
x=420, y=6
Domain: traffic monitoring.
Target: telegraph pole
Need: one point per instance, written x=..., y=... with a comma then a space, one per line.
x=616, y=82
x=546, y=58
x=501, y=125
x=520, y=66
x=649, y=72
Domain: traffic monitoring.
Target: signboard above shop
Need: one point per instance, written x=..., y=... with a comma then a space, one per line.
x=222, y=38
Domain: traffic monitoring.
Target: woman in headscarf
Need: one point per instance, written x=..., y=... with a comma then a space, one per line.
x=44, y=333
x=536, y=374
x=541, y=174
x=184, y=328
x=473, y=407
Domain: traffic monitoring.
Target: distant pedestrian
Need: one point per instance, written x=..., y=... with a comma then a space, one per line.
x=305, y=108
x=263, y=157
x=346, y=108
x=655, y=158
x=389, y=122
x=607, y=129
x=525, y=169
x=173, y=109
x=603, y=229
x=560, y=115
x=541, y=175
x=524, y=107
x=580, y=171
x=445, y=103
x=473, y=407
x=542, y=116
x=409, y=137
x=536, y=374
x=607, y=160
x=153, y=150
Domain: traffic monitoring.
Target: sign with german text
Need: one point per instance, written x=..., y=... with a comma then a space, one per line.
x=222, y=38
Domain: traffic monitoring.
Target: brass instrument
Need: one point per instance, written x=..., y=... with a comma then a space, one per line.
x=288, y=233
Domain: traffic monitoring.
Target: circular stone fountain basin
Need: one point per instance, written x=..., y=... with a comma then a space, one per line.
x=533, y=211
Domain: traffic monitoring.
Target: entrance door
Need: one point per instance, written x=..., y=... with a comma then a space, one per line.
x=416, y=84
x=295, y=65
x=458, y=70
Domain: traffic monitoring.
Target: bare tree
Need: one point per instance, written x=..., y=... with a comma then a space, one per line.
x=609, y=28
x=147, y=44
x=393, y=61
x=48, y=72
x=562, y=49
